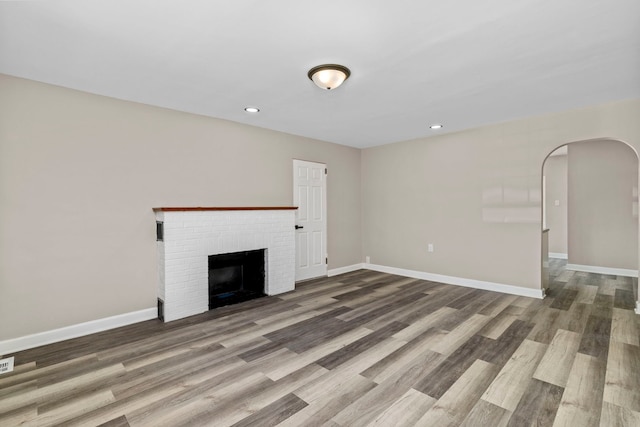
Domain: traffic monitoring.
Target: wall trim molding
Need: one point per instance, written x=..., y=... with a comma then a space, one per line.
x=343, y=270
x=558, y=255
x=603, y=270
x=459, y=281
x=74, y=331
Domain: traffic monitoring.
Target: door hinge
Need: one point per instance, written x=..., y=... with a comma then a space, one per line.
x=325, y=171
x=326, y=260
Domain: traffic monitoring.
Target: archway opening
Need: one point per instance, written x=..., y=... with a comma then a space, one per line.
x=590, y=217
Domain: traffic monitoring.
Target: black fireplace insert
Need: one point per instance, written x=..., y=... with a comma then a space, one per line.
x=236, y=277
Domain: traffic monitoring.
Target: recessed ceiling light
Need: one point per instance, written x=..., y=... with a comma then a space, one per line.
x=252, y=110
x=436, y=126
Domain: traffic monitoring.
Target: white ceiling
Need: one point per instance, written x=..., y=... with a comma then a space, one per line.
x=462, y=63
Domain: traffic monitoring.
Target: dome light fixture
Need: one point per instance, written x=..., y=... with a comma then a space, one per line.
x=329, y=76
x=436, y=126
x=252, y=109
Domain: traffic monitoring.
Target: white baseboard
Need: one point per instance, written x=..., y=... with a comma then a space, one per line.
x=603, y=270
x=459, y=281
x=342, y=270
x=558, y=255
x=56, y=335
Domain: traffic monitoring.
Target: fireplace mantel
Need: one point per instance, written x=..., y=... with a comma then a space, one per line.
x=189, y=235
x=242, y=208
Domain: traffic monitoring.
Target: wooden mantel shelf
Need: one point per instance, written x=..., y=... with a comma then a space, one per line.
x=242, y=208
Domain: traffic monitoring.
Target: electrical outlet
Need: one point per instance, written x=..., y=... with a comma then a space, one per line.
x=6, y=365
x=430, y=247
x=367, y=259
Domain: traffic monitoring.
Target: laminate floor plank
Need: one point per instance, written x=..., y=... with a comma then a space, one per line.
x=479, y=303
x=422, y=286
x=207, y=382
x=361, y=348
x=142, y=380
x=625, y=327
x=310, y=356
x=435, y=302
x=574, y=319
x=507, y=343
x=608, y=287
x=581, y=402
x=243, y=403
x=447, y=344
x=586, y=294
x=74, y=408
x=405, y=411
x=68, y=367
x=624, y=299
x=381, y=299
x=391, y=306
x=23, y=416
x=197, y=409
x=538, y=405
x=428, y=321
x=332, y=382
x=265, y=328
x=321, y=409
x=347, y=352
x=603, y=306
x=274, y=413
x=496, y=306
x=622, y=388
x=486, y=414
x=615, y=416
x=454, y=406
x=396, y=361
x=595, y=339
x=400, y=313
x=545, y=321
x=556, y=363
x=378, y=399
x=19, y=388
x=116, y=422
x=59, y=390
x=497, y=325
x=564, y=300
x=510, y=384
x=466, y=298
x=565, y=276
x=437, y=382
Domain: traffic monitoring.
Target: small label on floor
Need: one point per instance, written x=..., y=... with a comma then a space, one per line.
x=6, y=365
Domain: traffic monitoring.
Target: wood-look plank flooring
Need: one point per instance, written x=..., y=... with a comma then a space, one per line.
x=360, y=349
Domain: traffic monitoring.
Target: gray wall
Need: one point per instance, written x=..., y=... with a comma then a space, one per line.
x=79, y=175
x=602, y=208
x=474, y=194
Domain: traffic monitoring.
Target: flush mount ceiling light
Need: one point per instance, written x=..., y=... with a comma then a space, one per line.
x=252, y=109
x=435, y=126
x=329, y=76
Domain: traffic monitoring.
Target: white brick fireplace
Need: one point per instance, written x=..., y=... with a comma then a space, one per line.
x=190, y=235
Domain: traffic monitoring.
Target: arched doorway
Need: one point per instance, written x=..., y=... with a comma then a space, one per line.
x=600, y=208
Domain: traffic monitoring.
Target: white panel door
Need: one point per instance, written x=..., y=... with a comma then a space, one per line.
x=310, y=196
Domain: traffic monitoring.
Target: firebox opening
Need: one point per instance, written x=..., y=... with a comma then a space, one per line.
x=236, y=277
